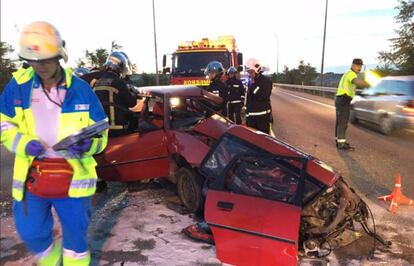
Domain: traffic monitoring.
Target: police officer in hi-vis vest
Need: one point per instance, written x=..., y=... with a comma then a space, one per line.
x=346, y=91
x=40, y=106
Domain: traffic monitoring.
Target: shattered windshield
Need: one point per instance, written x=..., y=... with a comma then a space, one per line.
x=194, y=64
x=242, y=167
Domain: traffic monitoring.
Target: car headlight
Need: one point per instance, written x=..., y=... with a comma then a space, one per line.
x=174, y=102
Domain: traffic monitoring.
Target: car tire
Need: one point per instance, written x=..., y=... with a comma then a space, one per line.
x=352, y=117
x=189, y=188
x=386, y=125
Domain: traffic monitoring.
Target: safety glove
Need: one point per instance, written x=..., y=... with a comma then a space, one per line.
x=80, y=147
x=34, y=148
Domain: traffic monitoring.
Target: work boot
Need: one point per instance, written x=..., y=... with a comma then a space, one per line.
x=344, y=146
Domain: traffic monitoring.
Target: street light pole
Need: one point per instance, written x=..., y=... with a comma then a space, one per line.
x=157, y=78
x=323, y=46
x=277, y=58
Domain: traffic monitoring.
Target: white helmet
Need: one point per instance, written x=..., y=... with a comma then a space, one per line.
x=253, y=64
x=40, y=41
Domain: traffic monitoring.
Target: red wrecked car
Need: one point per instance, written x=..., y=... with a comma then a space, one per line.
x=176, y=128
x=267, y=202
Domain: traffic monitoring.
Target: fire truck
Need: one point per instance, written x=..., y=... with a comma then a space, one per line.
x=191, y=58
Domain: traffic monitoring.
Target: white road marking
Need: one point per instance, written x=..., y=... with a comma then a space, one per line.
x=306, y=99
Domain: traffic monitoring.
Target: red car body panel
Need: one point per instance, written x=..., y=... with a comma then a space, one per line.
x=189, y=147
x=315, y=168
x=214, y=126
x=254, y=231
x=134, y=157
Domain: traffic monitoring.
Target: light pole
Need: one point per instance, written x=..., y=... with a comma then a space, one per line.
x=157, y=78
x=277, y=58
x=323, y=45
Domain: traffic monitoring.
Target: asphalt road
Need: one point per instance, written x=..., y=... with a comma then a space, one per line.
x=308, y=122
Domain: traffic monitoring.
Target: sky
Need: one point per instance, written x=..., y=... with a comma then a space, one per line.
x=355, y=28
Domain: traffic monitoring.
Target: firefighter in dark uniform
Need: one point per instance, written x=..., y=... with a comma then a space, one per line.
x=235, y=98
x=258, y=108
x=345, y=92
x=214, y=71
x=114, y=94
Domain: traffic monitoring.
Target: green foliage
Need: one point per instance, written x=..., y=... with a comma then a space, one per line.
x=304, y=74
x=385, y=70
x=96, y=58
x=402, y=48
x=7, y=64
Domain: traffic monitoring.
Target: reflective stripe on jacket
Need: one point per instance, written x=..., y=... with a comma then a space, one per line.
x=80, y=108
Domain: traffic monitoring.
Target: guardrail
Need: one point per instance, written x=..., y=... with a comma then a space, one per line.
x=327, y=92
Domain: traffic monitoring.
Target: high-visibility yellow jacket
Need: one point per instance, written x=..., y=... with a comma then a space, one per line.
x=345, y=86
x=80, y=108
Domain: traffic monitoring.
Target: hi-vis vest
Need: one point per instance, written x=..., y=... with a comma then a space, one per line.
x=345, y=85
x=80, y=108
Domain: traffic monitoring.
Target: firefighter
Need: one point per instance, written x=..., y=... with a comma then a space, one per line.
x=258, y=108
x=40, y=106
x=235, y=96
x=112, y=90
x=345, y=92
x=214, y=71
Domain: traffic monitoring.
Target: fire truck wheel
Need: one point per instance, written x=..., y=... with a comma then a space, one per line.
x=189, y=188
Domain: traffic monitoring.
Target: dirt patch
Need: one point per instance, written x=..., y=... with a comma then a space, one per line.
x=142, y=244
x=112, y=257
x=6, y=200
x=18, y=251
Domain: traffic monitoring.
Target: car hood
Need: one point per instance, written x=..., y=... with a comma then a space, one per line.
x=214, y=126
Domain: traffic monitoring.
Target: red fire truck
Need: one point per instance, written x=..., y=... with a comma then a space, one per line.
x=191, y=58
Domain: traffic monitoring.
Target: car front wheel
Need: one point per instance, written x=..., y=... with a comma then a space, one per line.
x=189, y=187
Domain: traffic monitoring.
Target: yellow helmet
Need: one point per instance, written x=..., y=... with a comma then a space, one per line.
x=41, y=41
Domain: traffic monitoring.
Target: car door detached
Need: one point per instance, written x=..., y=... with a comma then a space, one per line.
x=255, y=216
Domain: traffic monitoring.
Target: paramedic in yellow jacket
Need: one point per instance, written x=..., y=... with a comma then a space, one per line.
x=40, y=106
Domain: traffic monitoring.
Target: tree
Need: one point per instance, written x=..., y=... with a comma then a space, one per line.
x=97, y=58
x=7, y=64
x=304, y=74
x=402, y=48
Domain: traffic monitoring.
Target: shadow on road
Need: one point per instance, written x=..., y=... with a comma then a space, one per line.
x=106, y=209
x=361, y=179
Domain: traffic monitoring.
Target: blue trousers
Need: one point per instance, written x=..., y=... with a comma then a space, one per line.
x=34, y=221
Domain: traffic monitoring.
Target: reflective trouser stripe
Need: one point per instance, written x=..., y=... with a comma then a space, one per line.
x=16, y=141
x=76, y=261
x=74, y=254
x=258, y=113
x=255, y=90
x=237, y=101
x=341, y=140
x=83, y=183
x=51, y=256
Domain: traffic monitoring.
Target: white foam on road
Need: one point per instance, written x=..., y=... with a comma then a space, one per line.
x=309, y=100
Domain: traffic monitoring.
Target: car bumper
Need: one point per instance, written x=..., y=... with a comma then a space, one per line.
x=404, y=121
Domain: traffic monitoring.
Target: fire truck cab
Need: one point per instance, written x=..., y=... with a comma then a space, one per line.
x=188, y=62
